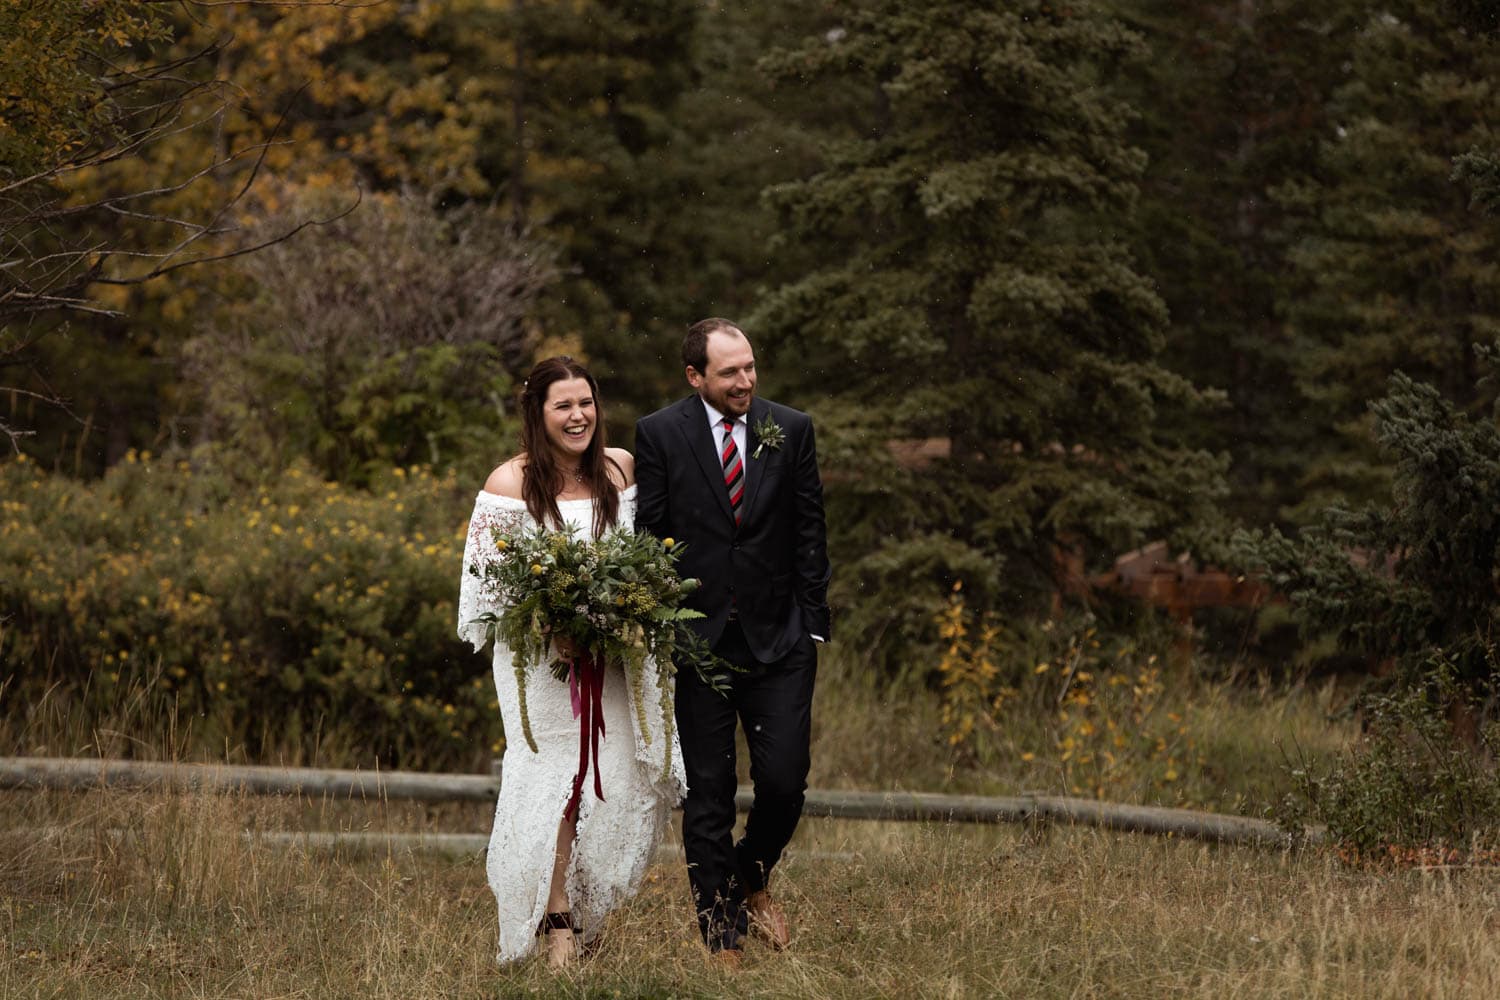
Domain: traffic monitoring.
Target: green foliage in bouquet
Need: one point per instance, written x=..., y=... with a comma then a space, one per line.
x=618, y=596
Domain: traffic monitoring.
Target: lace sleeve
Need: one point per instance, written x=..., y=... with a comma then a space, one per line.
x=626, y=517
x=475, y=597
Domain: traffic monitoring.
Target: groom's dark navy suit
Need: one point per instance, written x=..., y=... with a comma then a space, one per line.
x=765, y=595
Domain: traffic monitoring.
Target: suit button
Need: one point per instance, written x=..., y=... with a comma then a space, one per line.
x=736, y=545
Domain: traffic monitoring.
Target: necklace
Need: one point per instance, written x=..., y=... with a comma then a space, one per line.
x=577, y=474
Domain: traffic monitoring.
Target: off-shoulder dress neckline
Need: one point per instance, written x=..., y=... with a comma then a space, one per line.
x=494, y=497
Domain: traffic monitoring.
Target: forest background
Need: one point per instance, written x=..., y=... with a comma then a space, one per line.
x=1055, y=280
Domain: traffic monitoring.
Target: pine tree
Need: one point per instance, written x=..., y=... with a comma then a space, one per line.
x=592, y=151
x=647, y=135
x=1233, y=103
x=744, y=133
x=1412, y=581
x=1482, y=171
x=1413, y=578
x=975, y=293
x=1393, y=269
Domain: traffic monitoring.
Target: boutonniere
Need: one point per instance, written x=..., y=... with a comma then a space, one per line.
x=768, y=434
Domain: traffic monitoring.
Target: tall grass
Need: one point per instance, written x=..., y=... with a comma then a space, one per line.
x=866, y=736
x=161, y=896
x=1228, y=751
x=137, y=722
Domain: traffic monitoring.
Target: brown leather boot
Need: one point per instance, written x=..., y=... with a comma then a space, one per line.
x=767, y=922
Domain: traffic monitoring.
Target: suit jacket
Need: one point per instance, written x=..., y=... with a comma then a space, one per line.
x=773, y=567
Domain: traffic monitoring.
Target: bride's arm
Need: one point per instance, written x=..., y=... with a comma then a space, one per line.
x=505, y=481
x=623, y=461
x=476, y=594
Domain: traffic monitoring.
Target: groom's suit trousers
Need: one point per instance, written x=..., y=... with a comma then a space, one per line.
x=773, y=701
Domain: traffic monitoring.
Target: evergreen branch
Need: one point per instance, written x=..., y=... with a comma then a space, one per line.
x=1481, y=171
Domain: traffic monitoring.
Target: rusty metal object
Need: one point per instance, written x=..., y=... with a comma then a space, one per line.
x=1150, y=574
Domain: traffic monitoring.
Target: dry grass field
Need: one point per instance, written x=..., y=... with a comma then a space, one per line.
x=151, y=895
x=135, y=894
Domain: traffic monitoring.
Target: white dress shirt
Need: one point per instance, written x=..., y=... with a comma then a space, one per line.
x=716, y=424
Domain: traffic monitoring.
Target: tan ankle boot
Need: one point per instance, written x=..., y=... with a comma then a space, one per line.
x=767, y=922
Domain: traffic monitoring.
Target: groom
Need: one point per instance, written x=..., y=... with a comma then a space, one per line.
x=736, y=478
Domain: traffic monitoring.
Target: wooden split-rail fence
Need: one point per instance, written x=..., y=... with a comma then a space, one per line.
x=71, y=774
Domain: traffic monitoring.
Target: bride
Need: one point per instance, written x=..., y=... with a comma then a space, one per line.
x=555, y=876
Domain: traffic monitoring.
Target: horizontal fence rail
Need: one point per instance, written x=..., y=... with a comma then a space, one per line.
x=74, y=774
x=362, y=842
x=71, y=774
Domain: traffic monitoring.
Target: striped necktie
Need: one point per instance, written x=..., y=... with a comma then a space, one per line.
x=734, y=470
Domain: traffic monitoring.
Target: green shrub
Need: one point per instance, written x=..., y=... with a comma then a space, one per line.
x=1414, y=783
x=270, y=615
x=892, y=597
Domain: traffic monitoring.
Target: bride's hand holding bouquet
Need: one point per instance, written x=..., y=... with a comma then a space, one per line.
x=575, y=604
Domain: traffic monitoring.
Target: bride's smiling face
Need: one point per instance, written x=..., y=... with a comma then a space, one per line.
x=568, y=416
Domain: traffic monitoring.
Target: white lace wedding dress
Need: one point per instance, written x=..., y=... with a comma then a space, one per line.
x=616, y=837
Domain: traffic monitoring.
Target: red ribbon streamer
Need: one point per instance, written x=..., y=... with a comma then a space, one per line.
x=586, y=684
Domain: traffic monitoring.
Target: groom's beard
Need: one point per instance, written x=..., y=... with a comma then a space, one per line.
x=732, y=406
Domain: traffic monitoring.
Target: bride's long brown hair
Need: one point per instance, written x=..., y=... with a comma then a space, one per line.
x=542, y=479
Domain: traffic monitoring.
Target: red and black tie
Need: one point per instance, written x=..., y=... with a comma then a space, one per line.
x=734, y=470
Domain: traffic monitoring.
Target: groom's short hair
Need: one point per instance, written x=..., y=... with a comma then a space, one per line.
x=695, y=344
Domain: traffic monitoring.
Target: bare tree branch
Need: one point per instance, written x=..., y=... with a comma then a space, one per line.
x=376, y=299
x=54, y=248
x=238, y=252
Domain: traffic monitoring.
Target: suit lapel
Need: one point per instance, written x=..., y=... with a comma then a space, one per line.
x=700, y=442
x=759, y=412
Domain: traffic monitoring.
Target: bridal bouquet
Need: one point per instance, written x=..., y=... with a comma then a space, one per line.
x=618, y=598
